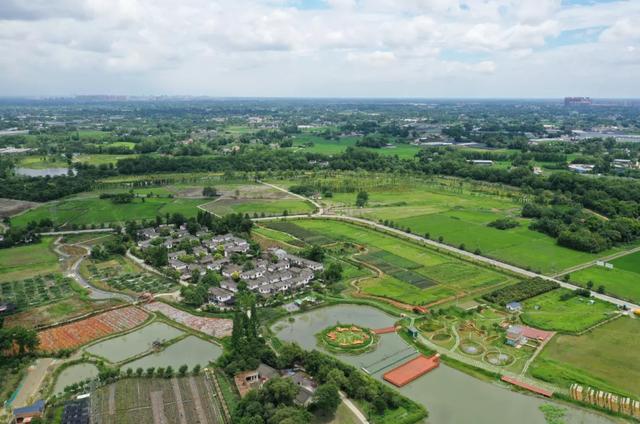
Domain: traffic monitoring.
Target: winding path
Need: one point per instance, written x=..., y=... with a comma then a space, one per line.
x=320, y=214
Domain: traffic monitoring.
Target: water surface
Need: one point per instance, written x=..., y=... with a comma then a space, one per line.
x=44, y=172
x=190, y=351
x=74, y=374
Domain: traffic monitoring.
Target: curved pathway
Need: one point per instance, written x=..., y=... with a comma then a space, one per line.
x=459, y=252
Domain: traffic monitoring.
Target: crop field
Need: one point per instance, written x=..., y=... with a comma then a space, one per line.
x=178, y=400
x=455, y=210
x=36, y=291
x=22, y=262
x=216, y=327
x=548, y=312
x=72, y=335
x=82, y=210
x=606, y=358
x=334, y=147
x=255, y=199
x=101, y=159
x=121, y=275
x=411, y=273
x=622, y=281
x=276, y=235
x=62, y=309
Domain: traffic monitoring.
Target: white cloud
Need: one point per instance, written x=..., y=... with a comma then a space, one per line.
x=275, y=47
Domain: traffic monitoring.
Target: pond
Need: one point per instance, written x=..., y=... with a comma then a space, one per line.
x=191, y=351
x=74, y=374
x=451, y=396
x=120, y=348
x=50, y=172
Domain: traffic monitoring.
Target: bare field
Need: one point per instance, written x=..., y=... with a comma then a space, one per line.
x=10, y=207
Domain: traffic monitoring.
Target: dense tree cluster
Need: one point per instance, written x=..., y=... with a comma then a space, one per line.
x=521, y=291
x=504, y=223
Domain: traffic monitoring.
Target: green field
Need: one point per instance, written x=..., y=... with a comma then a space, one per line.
x=411, y=273
x=36, y=291
x=43, y=162
x=548, y=312
x=455, y=210
x=622, y=281
x=100, y=159
x=268, y=207
x=19, y=263
x=84, y=210
x=606, y=358
x=334, y=147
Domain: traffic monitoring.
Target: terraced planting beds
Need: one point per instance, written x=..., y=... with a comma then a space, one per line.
x=216, y=327
x=549, y=311
x=36, y=291
x=78, y=333
x=113, y=274
x=156, y=400
x=410, y=273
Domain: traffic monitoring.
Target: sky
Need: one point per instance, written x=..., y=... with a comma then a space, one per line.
x=321, y=48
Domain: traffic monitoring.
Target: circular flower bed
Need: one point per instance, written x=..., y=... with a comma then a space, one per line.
x=441, y=337
x=347, y=338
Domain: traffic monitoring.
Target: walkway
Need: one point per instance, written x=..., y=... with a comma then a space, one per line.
x=454, y=250
x=349, y=404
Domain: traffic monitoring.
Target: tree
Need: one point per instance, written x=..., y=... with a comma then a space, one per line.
x=326, y=398
x=362, y=198
x=196, y=369
x=601, y=289
x=209, y=191
x=182, y=371
x=139, y=372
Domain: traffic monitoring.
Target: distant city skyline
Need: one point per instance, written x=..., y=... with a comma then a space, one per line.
x=473, y=49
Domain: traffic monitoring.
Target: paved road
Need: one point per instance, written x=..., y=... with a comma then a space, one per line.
x=492, y=262
x=94, y=292
x=71, y=232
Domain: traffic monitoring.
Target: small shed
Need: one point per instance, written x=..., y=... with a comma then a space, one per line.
x=514, y=307
x=413, y=331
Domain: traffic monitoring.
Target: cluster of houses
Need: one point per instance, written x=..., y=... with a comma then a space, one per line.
x=273, y=272
x=254, y=379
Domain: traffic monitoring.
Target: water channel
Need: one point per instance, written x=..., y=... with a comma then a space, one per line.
x=44, y=172
x=451, y=396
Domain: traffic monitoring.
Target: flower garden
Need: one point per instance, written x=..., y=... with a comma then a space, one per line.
x=348, y=338
x=78, y=333
x=216, y=327
x=115, y=278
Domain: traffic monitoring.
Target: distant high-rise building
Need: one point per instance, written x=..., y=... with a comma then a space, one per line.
x=577, y=101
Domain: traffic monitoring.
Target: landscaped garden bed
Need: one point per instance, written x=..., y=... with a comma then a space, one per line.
x=347, y=338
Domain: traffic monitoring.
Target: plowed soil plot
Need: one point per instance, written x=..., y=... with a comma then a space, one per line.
x=216, y=327
x=70, y=336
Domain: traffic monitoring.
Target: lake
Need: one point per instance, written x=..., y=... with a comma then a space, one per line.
x=51, y=172
x=451, y=396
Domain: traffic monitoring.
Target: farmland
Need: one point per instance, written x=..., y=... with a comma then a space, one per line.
x=255, y=199
x=622, y=281
x=145, y=401
x=36, y=291
x=455, y=210
x=22, y=262
x=605, y=358
x=75, y=334
x=549, y=312
x=85, y=210
x=216, y=327
x=409, y=273
x=120, y=274
x=333, y=147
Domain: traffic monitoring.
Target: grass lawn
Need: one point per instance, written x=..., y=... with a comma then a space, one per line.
x=606, y=358
x=334, y=147
x=622, y=281
x=573, y=315
x=86, y=210
x=18, y=263
x=411, y=273
x=99, y=159
x=42, y=162
x=266, y=206
x=343, y=415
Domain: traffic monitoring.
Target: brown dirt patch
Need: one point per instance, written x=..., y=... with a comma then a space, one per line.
x=10, y=207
